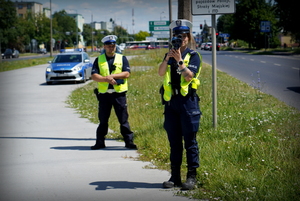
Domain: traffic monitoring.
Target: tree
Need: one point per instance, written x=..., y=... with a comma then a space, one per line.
x=141, y=35
x=288, y=14
x=65, y=31
x=8, y=21
x=244, y=24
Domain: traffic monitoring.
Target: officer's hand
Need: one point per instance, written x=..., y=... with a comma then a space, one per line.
x=111, y=80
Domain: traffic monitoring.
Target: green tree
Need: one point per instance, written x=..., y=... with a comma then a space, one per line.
x=87, y=34
x=141, y=35
x=65, y=31
x=244, y=24
x=8, y=22
x=288, y=14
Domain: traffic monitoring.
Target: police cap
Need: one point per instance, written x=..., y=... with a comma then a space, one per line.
x=110, y=39
x=181, y=26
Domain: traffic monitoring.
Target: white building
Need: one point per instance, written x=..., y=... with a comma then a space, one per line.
x=79, y=21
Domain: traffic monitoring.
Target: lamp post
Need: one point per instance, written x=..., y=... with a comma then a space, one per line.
x=92, y=30
x=76, y=28
x=160, y=14
x=51, y=45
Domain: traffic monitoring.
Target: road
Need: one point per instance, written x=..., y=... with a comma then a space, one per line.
x=45, y=149
x=278, y=74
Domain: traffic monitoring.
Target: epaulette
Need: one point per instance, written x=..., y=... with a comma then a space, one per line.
x=192, y=52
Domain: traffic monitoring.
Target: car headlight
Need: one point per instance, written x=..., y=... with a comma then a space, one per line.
x=49, y=69
x=77, y=67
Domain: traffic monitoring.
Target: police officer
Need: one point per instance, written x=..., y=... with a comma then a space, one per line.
x=111, y=71
x=181, y=67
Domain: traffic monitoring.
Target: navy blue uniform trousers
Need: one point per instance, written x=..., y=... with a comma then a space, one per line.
x=119, y=102
x=182, y=120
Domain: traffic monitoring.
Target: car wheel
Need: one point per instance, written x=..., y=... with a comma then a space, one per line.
x=48, y=83
x=84, y=77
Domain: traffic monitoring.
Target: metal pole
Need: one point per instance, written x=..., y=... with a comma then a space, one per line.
x=76, y=30
x=51, y=45
x=170, y=16
x=214, y=71
x=92, y=35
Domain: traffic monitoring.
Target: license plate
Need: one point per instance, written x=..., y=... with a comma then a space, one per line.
x=61, y=75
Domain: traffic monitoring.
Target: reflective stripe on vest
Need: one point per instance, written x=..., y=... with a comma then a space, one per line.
x=184, y=90
x=104, y=71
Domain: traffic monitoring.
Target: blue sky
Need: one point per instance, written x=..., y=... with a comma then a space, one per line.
x=121, y=11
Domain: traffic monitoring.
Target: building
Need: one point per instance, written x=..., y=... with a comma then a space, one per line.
x=109, y=26
x=23, y=8
x=79, y=21
x=96, y=25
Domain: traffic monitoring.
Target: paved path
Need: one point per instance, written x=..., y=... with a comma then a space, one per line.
x=45, y=151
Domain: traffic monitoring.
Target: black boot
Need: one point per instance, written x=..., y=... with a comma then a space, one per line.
x=99, y=145
x=190, y=179
x=175, y=179
x=130, y=145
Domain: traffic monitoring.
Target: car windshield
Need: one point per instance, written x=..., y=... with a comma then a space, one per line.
x=67, y=58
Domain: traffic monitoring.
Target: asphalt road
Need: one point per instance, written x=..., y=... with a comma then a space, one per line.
x=45, y=149
x=277, y=75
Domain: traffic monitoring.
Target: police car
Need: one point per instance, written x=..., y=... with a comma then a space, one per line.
x=69, y=66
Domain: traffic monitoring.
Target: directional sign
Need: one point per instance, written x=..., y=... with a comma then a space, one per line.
x=265, y=26
x=224, y=35
x=208, y=7
x=159, y=25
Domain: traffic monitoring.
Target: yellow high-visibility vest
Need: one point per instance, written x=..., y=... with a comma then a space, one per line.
x=104, y=71
x=184, y=85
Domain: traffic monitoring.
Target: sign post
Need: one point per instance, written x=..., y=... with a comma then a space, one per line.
x=265, y=26
x=213, y=8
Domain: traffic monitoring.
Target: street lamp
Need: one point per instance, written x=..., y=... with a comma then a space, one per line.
x=76, y=28
x=92, y=30
x=160, y=14
x=51, y=45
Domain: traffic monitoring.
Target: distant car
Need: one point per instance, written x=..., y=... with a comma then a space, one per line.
x=42, y=51
x=9, y=53
x=217, y=47
x=207, y=46
x=69, y=66
x=150, y=47
x=122, y=46
x=202, y=46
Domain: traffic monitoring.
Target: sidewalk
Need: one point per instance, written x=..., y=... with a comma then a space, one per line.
x=45, y=149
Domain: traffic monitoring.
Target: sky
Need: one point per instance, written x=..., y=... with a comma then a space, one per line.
x=121, y=12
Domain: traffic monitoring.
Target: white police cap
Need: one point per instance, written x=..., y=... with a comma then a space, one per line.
x=110, y=39
x=181, y=26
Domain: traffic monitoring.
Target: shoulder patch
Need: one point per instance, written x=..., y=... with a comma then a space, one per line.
x=193, y=52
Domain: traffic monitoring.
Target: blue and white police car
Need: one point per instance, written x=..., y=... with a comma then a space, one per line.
x=69, y=66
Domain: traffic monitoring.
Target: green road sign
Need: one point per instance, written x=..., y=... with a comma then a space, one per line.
x=159, y=25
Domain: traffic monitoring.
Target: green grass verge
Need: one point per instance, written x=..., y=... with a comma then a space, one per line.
x=253, y=154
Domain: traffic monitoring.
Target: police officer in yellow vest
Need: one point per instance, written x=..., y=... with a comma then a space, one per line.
x=111, y=71
x=181, y=67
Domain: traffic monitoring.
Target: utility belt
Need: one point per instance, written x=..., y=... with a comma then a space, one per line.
x=176, y=92
x=110, y=91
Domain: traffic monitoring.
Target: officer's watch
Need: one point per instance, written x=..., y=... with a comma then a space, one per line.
x=180, y=63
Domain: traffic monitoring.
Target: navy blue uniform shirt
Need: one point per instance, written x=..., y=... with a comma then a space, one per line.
x=110, y=61
x=193, y=65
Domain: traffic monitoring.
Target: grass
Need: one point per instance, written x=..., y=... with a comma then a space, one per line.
x=7, y=65
x=254, y=154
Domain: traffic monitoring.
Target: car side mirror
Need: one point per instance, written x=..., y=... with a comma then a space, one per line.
x=86, y=61
x=49, y=62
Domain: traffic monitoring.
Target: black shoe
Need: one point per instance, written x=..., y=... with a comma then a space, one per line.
x=130, y=145
x=190, y=180
x=98, y=145
x=173, y=182
x=189, y=184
